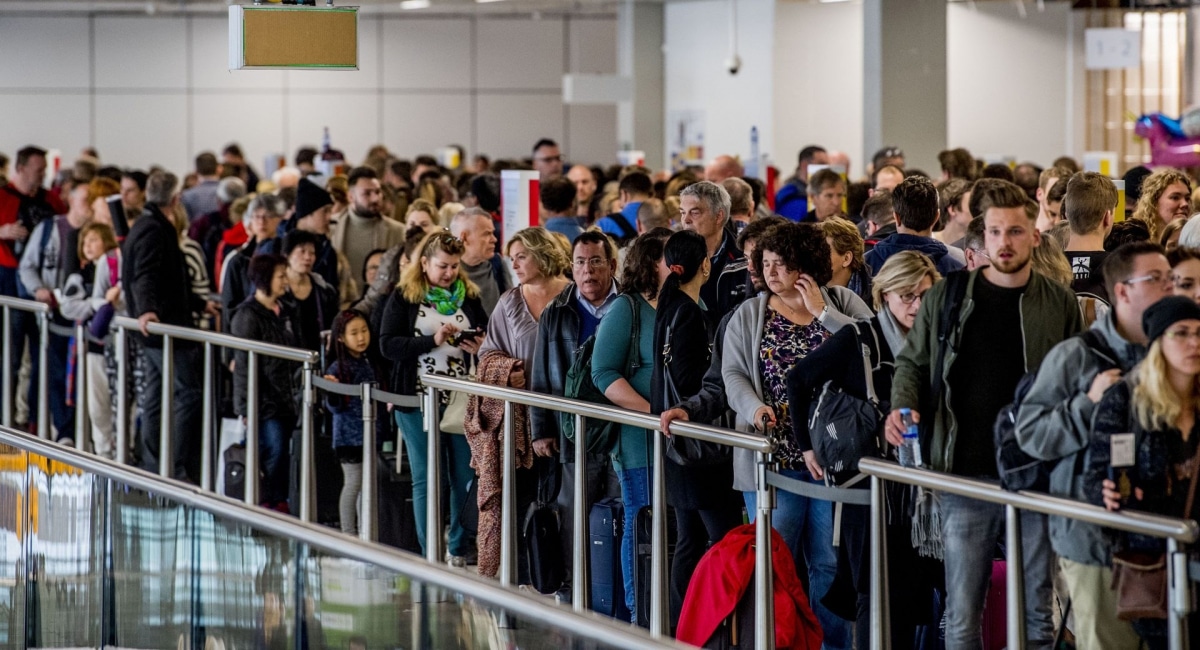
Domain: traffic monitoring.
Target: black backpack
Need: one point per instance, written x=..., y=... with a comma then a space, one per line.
x=600, y=436
x=1017, y=469
x=845, y=428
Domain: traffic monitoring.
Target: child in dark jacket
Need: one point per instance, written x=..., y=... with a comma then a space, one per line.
x=350, y=339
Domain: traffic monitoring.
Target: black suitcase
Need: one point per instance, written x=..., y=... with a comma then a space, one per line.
x=327, y=474
x=397, y=524
x=737, y=630
x=605, y=523
x=643, y=538
x=235, y=472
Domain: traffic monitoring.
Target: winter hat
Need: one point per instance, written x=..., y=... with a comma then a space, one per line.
x=486, y=190
x=310, y=198
x=1165, y=313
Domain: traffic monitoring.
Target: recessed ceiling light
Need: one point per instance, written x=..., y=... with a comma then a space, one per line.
x=414, y=4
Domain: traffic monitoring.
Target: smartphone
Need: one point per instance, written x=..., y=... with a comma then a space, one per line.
x=465, y=335
x=1122, y=460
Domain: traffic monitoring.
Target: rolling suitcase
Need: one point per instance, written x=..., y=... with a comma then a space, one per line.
x=327, y=475
x=643, y=537
x=605, y=522
x=397, y=523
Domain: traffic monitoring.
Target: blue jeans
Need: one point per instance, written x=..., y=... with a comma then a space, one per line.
x=806, y=526
x=635, y=494
x=273, y=437
x=456, y=464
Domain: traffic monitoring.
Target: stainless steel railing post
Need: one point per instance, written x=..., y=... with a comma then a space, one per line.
x=764, y=567
x=6, y=405
x=433, y=477
x=166, y=456
x=1015, y=578
x=206, y=422
x=659, y=622
x=251, y=477
x=81, y=387
x=508, y=503
x=44, y=425
x=307, y=480
x=579, y=515
x=1178, y=597
x=122, y=341
x=368, y=525
x=880, y=627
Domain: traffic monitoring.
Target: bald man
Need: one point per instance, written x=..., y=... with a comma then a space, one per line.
x=585, y=192
x=841, y=158
x=887, y=178
x=721, y=168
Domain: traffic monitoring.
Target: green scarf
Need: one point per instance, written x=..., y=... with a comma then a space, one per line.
x=447, y=302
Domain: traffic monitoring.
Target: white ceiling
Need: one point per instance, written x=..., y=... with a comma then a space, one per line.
x=369, y=7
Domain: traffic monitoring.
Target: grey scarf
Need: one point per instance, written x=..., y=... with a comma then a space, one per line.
x=891, y=330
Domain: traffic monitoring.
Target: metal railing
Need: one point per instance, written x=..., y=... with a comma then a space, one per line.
x=594, y=628
x=1176, y=532
x=211, y=340
x=580, y=410
x=42, y=312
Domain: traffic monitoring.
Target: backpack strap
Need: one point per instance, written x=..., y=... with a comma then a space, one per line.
x=956, y=292
x=1097, y=344
x=868, y=371
x=628, y=231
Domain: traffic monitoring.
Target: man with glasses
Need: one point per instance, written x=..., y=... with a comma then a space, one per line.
x=1054, y=423
x=566, y=323
x=1004, y=320
x=547, y=159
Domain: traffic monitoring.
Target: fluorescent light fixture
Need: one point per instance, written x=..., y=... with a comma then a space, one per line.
x=826, y=2
x=414, y=4
x=483, y=2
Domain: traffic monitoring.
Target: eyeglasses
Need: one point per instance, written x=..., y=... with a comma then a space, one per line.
x=1153, y=278
x=594, y=262
x=910, y=298
x=550, y=158
x=1183, y=335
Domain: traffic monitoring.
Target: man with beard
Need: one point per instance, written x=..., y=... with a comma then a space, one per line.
x=364, y=228
x=1004, y=320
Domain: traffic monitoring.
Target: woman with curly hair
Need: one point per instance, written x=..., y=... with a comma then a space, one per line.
x=1166, y=196
x=765, y=337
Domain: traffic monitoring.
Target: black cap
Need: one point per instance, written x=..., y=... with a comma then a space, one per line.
x=310, y=197
x=1165, y=313
x=1133, y=185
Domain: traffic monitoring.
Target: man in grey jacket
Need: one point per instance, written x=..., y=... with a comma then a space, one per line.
x=1054, y=423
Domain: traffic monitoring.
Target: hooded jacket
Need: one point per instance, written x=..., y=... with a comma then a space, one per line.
x=900, y=242
x=1055, y=422
x=276, y=393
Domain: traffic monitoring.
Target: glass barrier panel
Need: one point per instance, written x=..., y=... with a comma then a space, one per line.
x=14, y=524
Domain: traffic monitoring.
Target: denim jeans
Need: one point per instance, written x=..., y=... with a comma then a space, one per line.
x=62, y=416
x=806, y=526
x=273, y=437
x=635, y=494
x=1038, y=573
x=456, y=468
x=970, y=531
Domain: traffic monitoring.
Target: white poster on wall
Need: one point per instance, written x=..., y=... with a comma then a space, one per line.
x=1112, y=48
x=686, y=133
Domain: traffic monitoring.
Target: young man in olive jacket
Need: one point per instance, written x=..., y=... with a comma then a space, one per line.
x=1007, y=321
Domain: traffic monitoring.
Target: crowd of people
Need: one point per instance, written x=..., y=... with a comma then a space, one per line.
x=699, y=295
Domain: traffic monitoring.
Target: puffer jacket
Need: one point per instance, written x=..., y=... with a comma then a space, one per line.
x=276, y=377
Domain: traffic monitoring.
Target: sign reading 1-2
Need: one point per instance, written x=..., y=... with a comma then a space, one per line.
x=1113, y=48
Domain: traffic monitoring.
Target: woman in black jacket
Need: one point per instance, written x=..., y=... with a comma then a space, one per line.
x=1158, y=403
x=434, y=323
x=258, y=319
x=311, y=302
x=706, y=506
x=897, y=291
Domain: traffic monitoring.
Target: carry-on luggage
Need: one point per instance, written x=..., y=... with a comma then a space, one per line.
x=995, y=631
x=397, y=526
x=605, y=522
x=327, y=474
x=643, y=536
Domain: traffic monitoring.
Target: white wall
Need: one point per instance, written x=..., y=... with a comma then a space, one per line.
x=149, y=90
x=1015, y=84
x=818, y=107
x=696, y=44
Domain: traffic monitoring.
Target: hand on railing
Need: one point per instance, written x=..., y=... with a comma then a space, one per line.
x=145, y=319
x=670, y=415
x=764, y=418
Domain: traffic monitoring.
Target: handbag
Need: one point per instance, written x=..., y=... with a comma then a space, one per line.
x=1140, y=578
x=682, y=450
x=455, y=414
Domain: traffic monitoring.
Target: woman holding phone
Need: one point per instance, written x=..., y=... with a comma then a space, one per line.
x=432, y=324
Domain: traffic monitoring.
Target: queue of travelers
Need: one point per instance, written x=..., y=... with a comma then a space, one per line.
x=954, y=305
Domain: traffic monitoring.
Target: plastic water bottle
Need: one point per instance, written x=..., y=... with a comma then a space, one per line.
x=910, y=450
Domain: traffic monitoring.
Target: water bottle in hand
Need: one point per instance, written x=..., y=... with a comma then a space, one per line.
x=910, y=450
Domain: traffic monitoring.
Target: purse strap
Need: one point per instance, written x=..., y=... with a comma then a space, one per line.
x=868, y=372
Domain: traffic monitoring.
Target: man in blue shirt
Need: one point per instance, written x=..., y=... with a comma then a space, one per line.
x=558, y=208
x=634, y=188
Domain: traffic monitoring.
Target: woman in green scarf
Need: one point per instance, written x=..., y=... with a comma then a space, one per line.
x=429, y=326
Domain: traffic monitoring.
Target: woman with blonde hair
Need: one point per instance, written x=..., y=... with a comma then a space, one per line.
x=1166, y=196
x=422, y=213
x=1048, y=259
x=897, y=292
x=1158, y=404
x=846, y=257
x=506, y=358
x=433, y=323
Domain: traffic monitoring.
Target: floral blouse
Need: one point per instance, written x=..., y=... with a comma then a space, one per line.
x=783, y=344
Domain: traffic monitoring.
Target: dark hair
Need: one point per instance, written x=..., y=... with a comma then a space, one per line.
x=757, y=228
x=298, y=238
x=857, y=194
x=137, y=176
x=1179, y=255
x=801, y=246
x=887, y=152
x=111, y=172
x=808, y=153
x=1126, y=232
x=1058, y=191
x=233, y=149
x=377, y=251
x=683, y=253
x=486, y=190
x=1118, y=265
x=1000, y=171
x=823, y=179
x=206, y=164
x=412, y=241
x=425, y=160
x=978, y=190
x=288, y=196
x=957, y=163
x=915, y=201
x=544, y=142
x=596, y=237
x=262, y=269
x=306, y=156
x=975, y=239
x=640, y=275
x=558, y=194
x=337, y=352
x=1066, y=162
x=878, y=208
x=636, y=183
x=25, y=153
x=997, y=194
x=950, y=194
x=359, y=173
